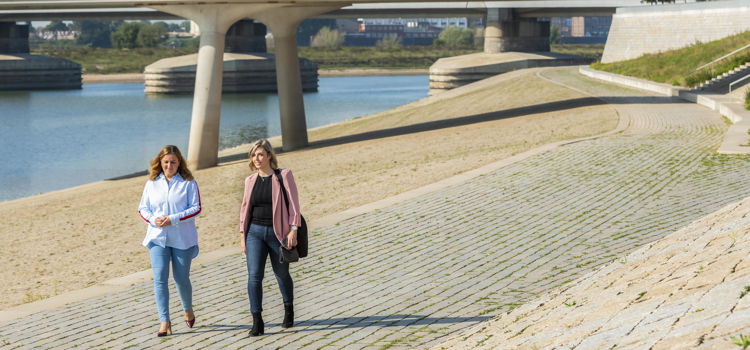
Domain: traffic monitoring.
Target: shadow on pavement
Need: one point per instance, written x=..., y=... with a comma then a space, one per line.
x=466, y=120
x=346, y=322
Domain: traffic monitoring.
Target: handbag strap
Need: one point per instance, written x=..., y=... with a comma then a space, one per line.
x=283, y=188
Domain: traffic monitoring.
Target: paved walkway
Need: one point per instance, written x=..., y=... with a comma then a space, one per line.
x=413, y=273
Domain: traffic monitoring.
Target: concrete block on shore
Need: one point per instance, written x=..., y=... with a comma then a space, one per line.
x=36, y=72
x=452, y=72
x=243, y=72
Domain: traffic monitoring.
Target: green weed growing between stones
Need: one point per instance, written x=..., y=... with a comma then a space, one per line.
x=486, y=337
x=722, y=159
x=742, y=341
x=744, y=291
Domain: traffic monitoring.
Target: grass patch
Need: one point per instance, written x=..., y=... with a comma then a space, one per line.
x=593, y=51
x=742, y=341
x=378, y=57
x=744, y=291
x=747, y=98
x=111, y=61
x=30, y=297
x=673, y=66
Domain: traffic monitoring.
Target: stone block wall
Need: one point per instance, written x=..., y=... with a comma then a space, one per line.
x=650, y=29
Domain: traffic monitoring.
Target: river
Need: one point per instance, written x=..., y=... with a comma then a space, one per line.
x=52, y=140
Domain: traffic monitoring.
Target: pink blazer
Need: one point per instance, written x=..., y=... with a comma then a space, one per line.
x=282, y=220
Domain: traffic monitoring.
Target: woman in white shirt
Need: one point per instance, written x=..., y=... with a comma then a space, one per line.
x=169, y=205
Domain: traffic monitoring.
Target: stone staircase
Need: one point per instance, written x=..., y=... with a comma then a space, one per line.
x=721, y=83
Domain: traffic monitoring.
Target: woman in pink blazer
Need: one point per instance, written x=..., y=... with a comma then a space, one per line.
x=266, y=225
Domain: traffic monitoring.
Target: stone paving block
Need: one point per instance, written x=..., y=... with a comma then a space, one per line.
x=604, y=338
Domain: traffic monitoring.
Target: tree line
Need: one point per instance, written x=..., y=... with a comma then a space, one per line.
x=450, y=37
x=120, y=34
x=144, y=34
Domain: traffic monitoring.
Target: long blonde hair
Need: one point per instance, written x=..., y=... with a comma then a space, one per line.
x=155, y=166
x=269, y=150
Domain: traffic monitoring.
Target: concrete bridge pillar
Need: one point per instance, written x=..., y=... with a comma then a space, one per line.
x=14, y=38
x=493, y=30
x=283, y=23
x=214, y=22
x=246, y=36
x=504, y=32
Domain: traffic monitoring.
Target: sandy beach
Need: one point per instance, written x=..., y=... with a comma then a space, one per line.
x=70, y=239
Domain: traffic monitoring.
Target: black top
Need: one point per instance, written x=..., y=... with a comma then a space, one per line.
x=261, y=202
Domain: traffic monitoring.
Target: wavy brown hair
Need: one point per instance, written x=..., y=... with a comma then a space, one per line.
x=268, y=148
x=155, y=167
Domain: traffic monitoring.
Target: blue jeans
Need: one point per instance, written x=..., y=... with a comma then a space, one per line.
x=260, y=242
x=180, y=258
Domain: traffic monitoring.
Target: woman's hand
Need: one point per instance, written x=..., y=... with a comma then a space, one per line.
x=291, y=238
x=242, y=244
x=162, y=221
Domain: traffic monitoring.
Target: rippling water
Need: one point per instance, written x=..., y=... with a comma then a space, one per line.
x=56, y=139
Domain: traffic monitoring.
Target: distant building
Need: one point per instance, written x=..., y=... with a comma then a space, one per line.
x=194, y=29
x=433, y=22
x=411, y=31
x=577, y=26
x=53, y=35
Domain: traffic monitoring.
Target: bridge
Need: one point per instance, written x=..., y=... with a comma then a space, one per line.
x=507, y=22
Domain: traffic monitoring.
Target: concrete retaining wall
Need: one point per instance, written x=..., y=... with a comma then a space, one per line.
x=639, y=30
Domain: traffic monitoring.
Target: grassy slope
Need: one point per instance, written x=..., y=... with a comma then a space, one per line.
x=586, y=50
x=672, y=66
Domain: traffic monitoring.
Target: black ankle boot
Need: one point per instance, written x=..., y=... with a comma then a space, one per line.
x=288, y=316
x=257, y=325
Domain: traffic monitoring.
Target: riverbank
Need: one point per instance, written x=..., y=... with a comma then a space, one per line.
x=138, y=77
x=70, y=239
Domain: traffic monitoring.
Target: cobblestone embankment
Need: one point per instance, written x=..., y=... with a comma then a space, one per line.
x=413, y=274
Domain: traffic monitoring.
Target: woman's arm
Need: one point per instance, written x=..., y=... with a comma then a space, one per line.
x=193, y=205
x=144, y=207
x=243, y=206
x=295, y=218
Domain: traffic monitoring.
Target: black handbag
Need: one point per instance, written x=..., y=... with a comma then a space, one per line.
x=288, y=255
x=302, y=242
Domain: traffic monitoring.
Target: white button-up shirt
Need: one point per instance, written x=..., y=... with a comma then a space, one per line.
x=178, y=199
